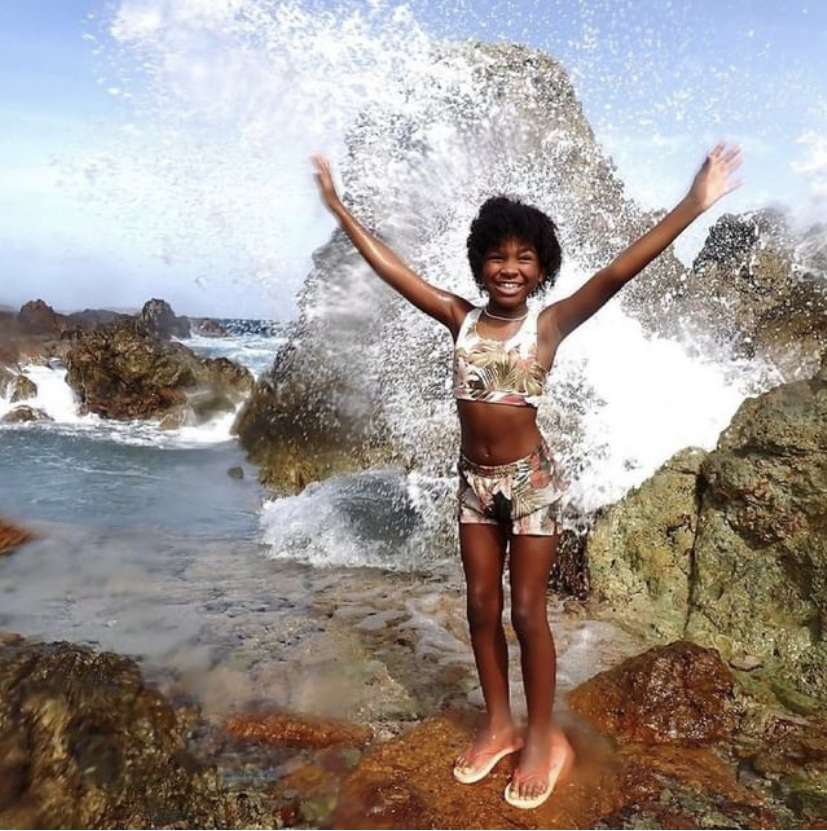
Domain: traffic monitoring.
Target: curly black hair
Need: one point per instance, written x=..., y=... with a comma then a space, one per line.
x=501, y=218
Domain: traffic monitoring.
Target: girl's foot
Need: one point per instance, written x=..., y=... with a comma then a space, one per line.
x=488, y=748
x=533, y=781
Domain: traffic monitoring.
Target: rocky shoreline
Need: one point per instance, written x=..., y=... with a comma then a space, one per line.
x=672, y=737
x=120, y=366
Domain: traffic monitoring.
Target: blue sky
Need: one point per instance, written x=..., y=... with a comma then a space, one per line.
x=94, y=200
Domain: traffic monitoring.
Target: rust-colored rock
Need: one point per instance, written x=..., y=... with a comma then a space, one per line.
x=407, y=783
x=676, y=694
x=295, y=729
x=11, y=536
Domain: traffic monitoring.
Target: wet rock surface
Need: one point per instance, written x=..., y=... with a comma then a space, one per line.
x=122, y=370
x=730, y=551
x=23, y=413
x=84, y=744
x=677, y=694
x=12, y=536
x=755, y=289
x=407, y=783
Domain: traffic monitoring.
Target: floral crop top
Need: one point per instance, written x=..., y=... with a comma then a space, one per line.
x=498, y=371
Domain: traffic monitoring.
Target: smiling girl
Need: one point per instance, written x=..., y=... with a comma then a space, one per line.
x=509, y=487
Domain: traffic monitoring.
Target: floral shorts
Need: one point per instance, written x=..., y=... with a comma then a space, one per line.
x=521, y=496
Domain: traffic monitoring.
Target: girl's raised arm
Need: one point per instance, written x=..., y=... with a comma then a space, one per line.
x=447, y=308
x=713, y=180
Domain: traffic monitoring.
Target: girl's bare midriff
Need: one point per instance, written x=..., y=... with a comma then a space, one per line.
x=497, y=434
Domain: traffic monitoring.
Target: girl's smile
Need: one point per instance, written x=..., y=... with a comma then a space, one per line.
x=511, y=273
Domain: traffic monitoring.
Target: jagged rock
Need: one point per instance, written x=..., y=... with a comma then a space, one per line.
x=38, y=318
x=85, y=744
x=749, y=294
x=207, y=327
x=23, y=413
x=676, y=694
x=639, y=552
x=123, y=371
x=12, y=537
x=736, y=557
x=760, y=570
x=157, y=317
x=23, y=388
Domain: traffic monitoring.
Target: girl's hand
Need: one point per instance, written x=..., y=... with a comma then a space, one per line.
x=715, y=178
x=324, y=179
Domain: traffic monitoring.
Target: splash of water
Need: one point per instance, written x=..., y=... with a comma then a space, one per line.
x=228, y=100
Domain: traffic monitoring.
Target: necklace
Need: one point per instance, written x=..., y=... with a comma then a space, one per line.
x=500, y=317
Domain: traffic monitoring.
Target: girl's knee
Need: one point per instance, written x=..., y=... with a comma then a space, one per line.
x=529, y=618
x=485, y=609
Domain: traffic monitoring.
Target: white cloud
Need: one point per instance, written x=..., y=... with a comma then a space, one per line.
x=814, y=164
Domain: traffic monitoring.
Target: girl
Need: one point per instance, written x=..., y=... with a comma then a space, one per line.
x=508, y=481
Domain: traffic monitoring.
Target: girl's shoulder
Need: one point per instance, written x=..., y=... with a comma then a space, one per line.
x=547, y=326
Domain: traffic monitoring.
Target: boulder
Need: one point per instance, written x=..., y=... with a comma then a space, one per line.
x=38, y=318
x=677, y=694
x=363, y=377
x=157, y=317
x=23, y=413
x=755, y=291
x=123, y=371
x=85, y=744
x=760, y=561
x=207, y=327
x=639, y=552
x=735, y=556
x=23, y=388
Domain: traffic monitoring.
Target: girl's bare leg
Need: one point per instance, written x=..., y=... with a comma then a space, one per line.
x=530, y=564
x=483, y=550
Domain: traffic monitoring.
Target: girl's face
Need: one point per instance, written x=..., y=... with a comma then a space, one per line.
x=511, y=273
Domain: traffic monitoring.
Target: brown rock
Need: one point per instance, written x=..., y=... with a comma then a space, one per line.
x=38, y=318
x=85, y=744
x=11, y=536
x=676, y=694
x=159, y=318
x=407, y=783
x=123, y=371
x=207, y=327
x=23, y=388
x=25, y=413
x=295, y=729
